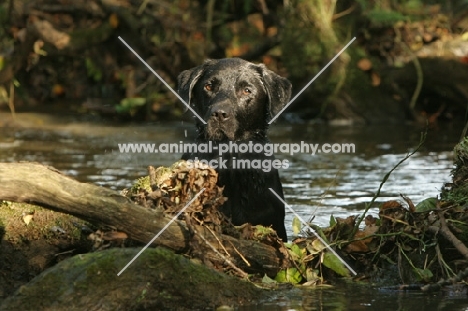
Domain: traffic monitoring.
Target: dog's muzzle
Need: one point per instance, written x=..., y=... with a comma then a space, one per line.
x=221, y=123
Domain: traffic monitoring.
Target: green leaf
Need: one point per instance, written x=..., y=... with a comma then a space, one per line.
x=267, y=280
x=6, y=203
x=427, y=205
x=281, y=277
x=332, y=262
x=290, y=275
x=3, y=95
x=93, y=70
x=314, y=247
x=423, y=274
x=312, y=275
x=332, y=220
x=296, y=226
x=129, y=104
x=297, y=253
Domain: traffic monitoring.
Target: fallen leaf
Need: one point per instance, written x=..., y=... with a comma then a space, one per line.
x=114, y=235
x=114, y=20
x=27, y=218
x=375, y=79
x=427, y=205
x=364, y=64
x=296, y=226
x=332, y=262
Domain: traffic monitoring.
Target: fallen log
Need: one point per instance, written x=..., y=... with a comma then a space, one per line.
x=47, y=187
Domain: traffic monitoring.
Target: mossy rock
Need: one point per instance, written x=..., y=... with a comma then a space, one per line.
x=157, y=280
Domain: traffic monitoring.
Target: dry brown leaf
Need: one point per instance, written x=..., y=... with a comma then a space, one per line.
x=375, y=78
x=393, y=204
x=114, y=235
x=364, y=64
x=114, y=20
x=27, y=218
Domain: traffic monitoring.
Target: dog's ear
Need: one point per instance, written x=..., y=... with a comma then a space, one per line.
x=187, y=79
x=185, y=82
x=278, y=89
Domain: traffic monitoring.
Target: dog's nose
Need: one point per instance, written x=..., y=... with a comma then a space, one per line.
x=220, y=114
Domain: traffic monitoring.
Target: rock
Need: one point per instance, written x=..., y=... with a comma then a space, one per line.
x=157, y=280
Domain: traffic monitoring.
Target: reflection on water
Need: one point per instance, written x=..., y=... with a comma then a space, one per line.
x=318, y=186
x=343, y=184
x=355, y=296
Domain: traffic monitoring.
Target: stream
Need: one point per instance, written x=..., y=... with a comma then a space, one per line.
x=315, y=186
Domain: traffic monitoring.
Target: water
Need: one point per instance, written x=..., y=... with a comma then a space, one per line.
x=315, y=186
x=355, y=296
x=342, y=184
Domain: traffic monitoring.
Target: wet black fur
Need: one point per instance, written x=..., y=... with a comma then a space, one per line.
x=237, y=99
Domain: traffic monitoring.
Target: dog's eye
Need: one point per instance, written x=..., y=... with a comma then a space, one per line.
x=208, y=87
x=246, y=91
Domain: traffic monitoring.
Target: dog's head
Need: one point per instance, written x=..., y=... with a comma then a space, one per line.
x=236, y=98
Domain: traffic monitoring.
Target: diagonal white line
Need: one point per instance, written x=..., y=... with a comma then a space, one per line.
x=162, y=80
x=160, y=232
x=313, y=79
x=314, y=232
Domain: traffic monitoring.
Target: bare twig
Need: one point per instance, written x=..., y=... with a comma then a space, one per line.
x=345, y=12
x=240, y=255
x=465, y=129
x=440, y=258
x=446, y=233
x=227, y=260
x=437, y=286
x=384, y=180
x=417, y=66
x=220, y=243
x=11, y=99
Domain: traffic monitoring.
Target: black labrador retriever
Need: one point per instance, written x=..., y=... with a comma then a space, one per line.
x=237, y=99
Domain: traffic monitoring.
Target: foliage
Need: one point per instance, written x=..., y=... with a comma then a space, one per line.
x=296, y=226
x=407, y=237
x=94, y=72
x=307, y=254
x=333, y=263
x=130, y=105
x=427, y=205
x=457, y=191
x=385, y=17
x=142, y=184
x=289, y=275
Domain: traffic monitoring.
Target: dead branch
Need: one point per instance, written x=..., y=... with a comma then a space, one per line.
x=446, y=233
x=45, y=186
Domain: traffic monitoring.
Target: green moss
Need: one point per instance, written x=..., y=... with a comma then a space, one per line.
x=40, y=227
x=458, y=192
x=52, y=286
x=142, y=184
x=161, y=174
